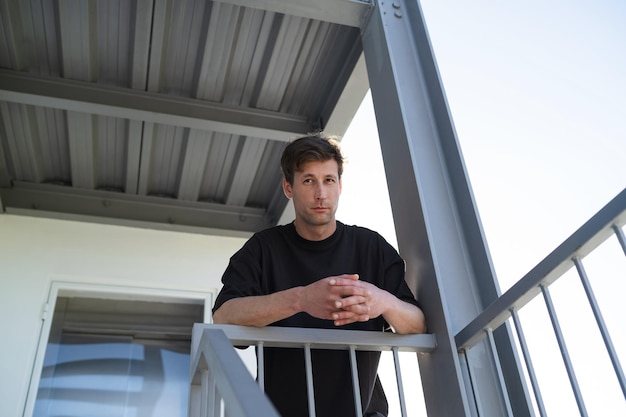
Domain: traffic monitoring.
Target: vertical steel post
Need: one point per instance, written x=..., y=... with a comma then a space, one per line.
x=620, y=237
x=496, y=362
x=396, y=362
x=529, y=364
x=608, y=343
x=469, y=375
x=564, y=352
x=439, y=233
x=204, y=394
x=260, y=365
x=309, y=379
x=355, y=382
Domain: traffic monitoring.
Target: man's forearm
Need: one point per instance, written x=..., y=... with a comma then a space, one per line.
x=258, y=311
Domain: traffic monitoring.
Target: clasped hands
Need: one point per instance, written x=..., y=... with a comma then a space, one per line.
x=344, y=299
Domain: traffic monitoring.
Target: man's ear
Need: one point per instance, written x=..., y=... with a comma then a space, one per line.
x=287, y=189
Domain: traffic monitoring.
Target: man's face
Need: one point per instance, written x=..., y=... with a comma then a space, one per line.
x=315, y=192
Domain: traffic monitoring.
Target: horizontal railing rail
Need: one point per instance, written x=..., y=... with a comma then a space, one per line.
x=606, y=223
x=588, y=237
x=210, y=362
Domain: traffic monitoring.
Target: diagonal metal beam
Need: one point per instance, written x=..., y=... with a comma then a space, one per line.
x=148, y=107
x=342, y=12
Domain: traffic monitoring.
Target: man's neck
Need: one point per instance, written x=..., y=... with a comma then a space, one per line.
x=313, y=232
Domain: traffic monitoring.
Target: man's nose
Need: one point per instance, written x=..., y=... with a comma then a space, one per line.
x=320, y=192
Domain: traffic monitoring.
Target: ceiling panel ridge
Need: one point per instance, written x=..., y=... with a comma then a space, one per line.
x=283, y=60
x=22, y=141
x=195, y=156
x=216, y=55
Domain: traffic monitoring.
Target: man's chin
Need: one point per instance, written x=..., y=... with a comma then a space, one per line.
x=321, y=220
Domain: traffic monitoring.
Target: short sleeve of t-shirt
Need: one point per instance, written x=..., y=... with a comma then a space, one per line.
x=242, y=277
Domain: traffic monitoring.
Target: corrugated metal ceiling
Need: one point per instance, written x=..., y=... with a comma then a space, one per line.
x=161, y=113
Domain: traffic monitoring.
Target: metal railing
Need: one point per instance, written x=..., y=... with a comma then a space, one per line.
x=222, y=385
x=606, y=223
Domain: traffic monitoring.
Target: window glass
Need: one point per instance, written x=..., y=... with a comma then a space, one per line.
x=113, y=358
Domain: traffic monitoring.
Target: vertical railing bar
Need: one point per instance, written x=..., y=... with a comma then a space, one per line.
x=396, y=361
x=309, y=379
x=211, y=398
x=601, y=325
x=496, y=362
x=214, y=401
x=529, y=364
x=564, y=353
x=620, y=236
x=260, y=365
x=475, y=393
x=355, y=382
x=220, y=404
x=204, y=392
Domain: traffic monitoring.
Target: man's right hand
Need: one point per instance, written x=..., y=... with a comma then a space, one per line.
x=336, y=298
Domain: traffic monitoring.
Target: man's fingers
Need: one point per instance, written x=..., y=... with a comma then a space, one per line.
x=354, y=305
x=346, y=279
x=353, y=319
x=352, y=298
x=351, y=291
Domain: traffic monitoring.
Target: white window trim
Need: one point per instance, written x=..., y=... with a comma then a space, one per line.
x=116, y=292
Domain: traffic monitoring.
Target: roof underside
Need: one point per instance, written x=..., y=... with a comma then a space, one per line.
x=168, y=114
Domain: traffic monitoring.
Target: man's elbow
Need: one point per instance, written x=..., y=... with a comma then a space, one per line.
x=219, y=317
x=421, y=327
x=420, y=324
x=415, y=326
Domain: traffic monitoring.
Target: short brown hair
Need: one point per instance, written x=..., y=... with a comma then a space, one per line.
x=313, y=147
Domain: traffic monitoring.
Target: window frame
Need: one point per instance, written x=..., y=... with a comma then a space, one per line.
x=101, y=291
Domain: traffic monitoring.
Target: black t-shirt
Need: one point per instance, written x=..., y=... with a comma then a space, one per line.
x=278, y=259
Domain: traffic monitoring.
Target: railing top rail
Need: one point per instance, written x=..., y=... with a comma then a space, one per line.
x=588, y=237
x=322, y=338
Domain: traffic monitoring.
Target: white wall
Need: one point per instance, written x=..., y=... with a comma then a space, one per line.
x=34, y=252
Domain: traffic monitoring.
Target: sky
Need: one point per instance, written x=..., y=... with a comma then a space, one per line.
x=537, y=94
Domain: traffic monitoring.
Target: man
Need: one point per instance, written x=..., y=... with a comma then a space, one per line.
x=318, y=273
